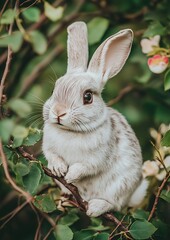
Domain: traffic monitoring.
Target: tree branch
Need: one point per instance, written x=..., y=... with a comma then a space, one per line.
x=122, y=93
x=73, y=189
x=80, y=203
x=160, y=188
x=8, y=177
x=7, y=65
x=3, y=8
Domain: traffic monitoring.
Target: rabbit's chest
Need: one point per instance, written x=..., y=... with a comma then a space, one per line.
x=73, y=147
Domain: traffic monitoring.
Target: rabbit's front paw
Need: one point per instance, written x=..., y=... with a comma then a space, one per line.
x=75, y=173
x=96, y=207
x=58, y=167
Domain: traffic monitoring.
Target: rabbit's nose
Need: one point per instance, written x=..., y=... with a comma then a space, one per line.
x=58, y=118
x=60, y=110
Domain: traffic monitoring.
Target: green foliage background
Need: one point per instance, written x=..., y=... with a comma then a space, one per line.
x=38, y=41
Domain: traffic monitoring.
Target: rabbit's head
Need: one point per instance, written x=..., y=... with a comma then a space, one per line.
x=76, y=102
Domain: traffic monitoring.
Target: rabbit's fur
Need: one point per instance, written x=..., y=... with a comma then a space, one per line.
x=92, y=145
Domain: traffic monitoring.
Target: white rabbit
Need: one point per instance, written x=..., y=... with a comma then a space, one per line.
x=85, y=141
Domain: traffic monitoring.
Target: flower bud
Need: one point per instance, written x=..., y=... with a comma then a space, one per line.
x=158, y=64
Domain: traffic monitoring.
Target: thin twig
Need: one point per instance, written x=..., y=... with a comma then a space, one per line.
x=8, y=198
x=3, y=8
x=112, y=218
x=32, y=4
x=159, y=157
x=111, y=235
x=7, y=66
x=122, y=93
x=48, y=233
x=13, y=213
x=3, y=57
x=9, y=178
x=37, y=233
x=49, y=219
x=25, y=2
x=138, y=14
x=51, y=229
x=160, y=188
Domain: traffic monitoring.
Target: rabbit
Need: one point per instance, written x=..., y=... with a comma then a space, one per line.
x=91, y=145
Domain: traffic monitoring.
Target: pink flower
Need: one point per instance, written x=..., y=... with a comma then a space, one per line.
x=148, y=44
x=158, y=64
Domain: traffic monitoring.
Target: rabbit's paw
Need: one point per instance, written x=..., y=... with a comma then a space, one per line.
x=96, y=207
x=58, y=167
x=75, y=173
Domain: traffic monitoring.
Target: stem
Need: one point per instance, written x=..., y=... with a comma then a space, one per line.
x=160, y=188
x=7, y=66
x=122, y=93
x=8, y=177
x=160, y=159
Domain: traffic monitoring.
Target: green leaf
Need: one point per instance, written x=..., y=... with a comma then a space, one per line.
x=20, y=107
x=33, y=137
x=17, y=142
x=39, y=42
x=97, y=225
x=6, y=128
x=140, y=214
x=14, y=41
x=102, y=236
x=96, y=221
x=165, y=195
x=31, y=180
x=155, y=28
x=20, y=132
x=84, y=235
x=42, y=159
x=52, y=13
x=167, y=80
x=166, y=139
x=22, y=169
x=31, y=14
x=45, y=203
x=98, y=228
x=142, y=229
x=96, y=29
x=8, y=16
x=63, y=232
x=69, y=219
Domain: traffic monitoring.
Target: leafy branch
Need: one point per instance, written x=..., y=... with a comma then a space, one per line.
x=79, y=202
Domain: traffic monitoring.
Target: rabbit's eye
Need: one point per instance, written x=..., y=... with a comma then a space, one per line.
x=87, y=97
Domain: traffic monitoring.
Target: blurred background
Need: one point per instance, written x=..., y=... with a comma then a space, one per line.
x=36, y=33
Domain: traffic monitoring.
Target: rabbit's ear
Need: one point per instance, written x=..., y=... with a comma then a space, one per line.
x=111, y=55
x=77, y=47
